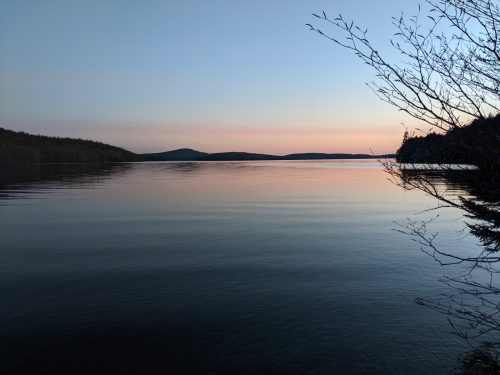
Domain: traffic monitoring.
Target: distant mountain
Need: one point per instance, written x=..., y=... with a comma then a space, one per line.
x=234, y=156
x=186, y=154
x=183, y=154
x=24, y=148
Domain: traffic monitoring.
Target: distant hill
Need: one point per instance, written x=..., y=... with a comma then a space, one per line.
x=234, y=156
x=24, y=148
x=182, y=154
x=186, y=154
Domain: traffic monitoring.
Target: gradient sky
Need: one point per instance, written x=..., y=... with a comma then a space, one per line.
x=215, y=75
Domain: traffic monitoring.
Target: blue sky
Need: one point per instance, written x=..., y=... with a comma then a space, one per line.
x=215, y=75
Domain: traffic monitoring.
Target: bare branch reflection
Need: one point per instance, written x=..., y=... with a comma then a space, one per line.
x=473, y=306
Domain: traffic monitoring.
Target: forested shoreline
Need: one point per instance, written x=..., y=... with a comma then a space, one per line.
x=477, y=143
x=24, y=148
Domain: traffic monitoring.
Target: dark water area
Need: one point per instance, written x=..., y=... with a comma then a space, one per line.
x=218, y=268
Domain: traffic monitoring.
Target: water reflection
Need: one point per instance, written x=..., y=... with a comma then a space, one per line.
x=281, y=267
x=17, y=181
x=473, y=305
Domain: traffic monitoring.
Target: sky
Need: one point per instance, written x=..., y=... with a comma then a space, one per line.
x=214, y=75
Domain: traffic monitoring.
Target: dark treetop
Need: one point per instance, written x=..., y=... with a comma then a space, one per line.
x=477, y=143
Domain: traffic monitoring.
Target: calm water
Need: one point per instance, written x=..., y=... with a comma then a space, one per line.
x=253, y=267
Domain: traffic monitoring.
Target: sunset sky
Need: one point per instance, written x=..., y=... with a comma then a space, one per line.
x=218, y=75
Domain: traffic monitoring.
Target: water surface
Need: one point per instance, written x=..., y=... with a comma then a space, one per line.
x=239, y=267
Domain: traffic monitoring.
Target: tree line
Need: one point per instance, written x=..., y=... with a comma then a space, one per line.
x=24, y=148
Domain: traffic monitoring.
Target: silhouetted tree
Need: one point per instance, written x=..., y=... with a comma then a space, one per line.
x=449, y=72
x=448, y=79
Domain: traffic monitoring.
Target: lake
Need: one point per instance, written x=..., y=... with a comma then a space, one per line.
x=218, y=268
